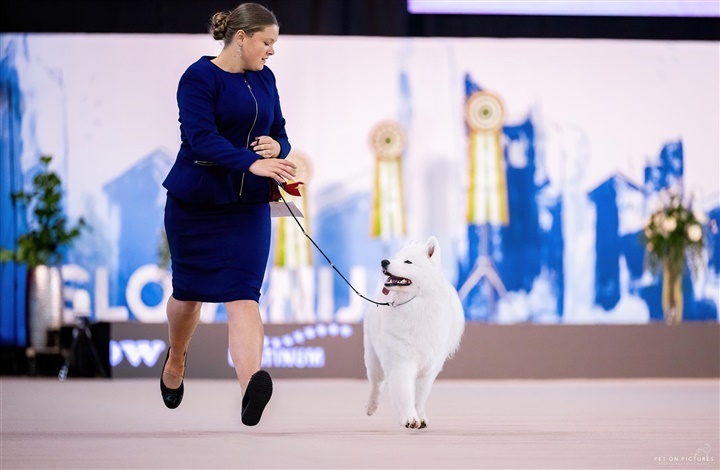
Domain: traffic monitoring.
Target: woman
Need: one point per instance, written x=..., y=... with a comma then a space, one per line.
x=217, y=216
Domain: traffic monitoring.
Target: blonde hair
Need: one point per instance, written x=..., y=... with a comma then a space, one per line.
x=249, y=17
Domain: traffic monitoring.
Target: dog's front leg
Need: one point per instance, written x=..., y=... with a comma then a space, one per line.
x=402, y=389
x=423, y=385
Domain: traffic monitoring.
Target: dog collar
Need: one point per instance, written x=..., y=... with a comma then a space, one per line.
x=393, y=304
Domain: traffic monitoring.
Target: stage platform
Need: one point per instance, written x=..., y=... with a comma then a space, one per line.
x=321, y=423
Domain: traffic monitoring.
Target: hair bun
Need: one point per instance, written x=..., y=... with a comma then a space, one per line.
x=219, y=25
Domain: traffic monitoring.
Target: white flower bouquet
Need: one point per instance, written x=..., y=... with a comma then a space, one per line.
x=674, y=232
x=672, y=235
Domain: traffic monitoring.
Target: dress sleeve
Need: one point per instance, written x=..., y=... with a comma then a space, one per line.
x=196, y=103
x=277, y=129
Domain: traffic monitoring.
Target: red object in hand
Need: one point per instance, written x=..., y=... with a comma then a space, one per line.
x=292, y=188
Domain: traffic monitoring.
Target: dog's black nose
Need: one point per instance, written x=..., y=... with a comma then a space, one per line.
x=384, y=263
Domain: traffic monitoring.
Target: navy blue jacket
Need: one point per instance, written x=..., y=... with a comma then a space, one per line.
x=220, y=114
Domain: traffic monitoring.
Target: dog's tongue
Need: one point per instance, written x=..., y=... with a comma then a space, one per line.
x=385, y=291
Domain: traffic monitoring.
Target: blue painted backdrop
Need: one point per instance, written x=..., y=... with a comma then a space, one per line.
x=568, y=254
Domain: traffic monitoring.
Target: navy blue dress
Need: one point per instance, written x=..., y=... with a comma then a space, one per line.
x=217, y=216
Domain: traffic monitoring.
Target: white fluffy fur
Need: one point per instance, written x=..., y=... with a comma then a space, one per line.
x=407, y=345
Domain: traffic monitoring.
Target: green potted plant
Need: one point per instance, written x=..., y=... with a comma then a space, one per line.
x=672, y=235
x=41, y=249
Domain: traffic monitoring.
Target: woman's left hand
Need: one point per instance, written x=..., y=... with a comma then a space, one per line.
x=266, y=146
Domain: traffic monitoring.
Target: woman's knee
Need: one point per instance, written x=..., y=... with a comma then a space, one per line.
x=242, y=307
x=183, y=306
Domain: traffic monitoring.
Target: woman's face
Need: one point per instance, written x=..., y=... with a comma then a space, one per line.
x=256, y=49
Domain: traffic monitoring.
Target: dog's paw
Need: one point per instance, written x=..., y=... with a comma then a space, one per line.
x=411, y=423
x=372, y=406
x=423, y=424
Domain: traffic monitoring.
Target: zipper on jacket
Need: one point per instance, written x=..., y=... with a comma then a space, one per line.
x=247, y=145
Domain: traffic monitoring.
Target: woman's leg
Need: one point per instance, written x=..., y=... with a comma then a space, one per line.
x=245, y=336
x=183, y=316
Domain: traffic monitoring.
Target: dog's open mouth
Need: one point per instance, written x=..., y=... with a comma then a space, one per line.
x=394, y=281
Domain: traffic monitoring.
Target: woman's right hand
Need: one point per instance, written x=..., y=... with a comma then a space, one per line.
x=278, y=169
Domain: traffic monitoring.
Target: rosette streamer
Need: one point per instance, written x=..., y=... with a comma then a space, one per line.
x=292, y=248
x=388, y=211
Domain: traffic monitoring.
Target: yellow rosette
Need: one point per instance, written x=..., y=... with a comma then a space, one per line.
x=292, y=248
x=487, y=191
x=387, y=140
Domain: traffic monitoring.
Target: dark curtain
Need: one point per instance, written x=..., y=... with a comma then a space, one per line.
x=334, y=17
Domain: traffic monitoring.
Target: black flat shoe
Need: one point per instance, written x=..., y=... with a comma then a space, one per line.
x=172, y=397
x=257, y=396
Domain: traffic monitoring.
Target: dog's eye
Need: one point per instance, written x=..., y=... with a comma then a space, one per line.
x=407, y=261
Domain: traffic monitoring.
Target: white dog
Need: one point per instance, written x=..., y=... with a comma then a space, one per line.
x=407, y=343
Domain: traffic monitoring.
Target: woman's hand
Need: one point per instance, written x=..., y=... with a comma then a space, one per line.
x=275, y=168
x=265, y=146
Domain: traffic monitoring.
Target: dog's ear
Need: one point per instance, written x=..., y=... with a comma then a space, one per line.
x=433, y=249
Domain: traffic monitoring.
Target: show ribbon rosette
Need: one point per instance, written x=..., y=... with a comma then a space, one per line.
x=487, y=192
x=387, y=140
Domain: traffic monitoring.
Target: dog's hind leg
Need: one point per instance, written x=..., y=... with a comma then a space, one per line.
x=376, y=376
x=423, y=385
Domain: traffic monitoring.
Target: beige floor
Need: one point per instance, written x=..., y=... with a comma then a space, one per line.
x=321, y=424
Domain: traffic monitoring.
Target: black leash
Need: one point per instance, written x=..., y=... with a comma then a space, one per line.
x=390, y=304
